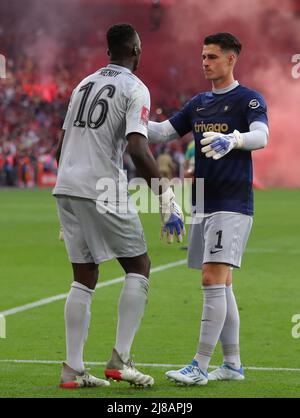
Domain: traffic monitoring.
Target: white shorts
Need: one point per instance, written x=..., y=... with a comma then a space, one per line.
x=220, y=238
x=93, y=237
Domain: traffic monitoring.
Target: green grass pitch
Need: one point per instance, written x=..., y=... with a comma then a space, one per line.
x=33, y=266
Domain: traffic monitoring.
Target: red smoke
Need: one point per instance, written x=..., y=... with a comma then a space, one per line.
x=270, y=33
x=56, y=32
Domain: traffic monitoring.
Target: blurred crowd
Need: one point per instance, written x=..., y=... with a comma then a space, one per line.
x=30, y=118
x=48, y=53
x=46, y=58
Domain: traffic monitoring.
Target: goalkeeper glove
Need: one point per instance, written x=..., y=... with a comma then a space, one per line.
x=171, y=216
x=218, y=145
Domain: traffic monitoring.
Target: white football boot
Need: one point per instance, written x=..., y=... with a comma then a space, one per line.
x=188, y=375
x=118, y=370
x=226, y=372
x=71, y=379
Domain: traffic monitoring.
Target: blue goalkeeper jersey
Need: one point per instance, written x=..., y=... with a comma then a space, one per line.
x=228, y=181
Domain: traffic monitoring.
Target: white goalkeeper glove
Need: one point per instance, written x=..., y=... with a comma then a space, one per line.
x=218, y=145
x=61, y=234
x=171, y=217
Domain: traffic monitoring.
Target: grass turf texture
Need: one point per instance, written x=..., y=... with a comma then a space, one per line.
x=34, y=266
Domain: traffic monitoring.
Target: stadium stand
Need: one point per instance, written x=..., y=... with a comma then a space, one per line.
x=48, y=53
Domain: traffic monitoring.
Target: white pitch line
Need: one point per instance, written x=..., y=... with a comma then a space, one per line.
x=162, y=366
x=65, y=295
x=120, y=279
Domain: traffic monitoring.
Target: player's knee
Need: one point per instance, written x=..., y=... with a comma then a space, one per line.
x=86, y=274
x=141, y=265
x=214, y=274
x=209, y=278
x=144, y=265
x=96, y=274
x=147, y=266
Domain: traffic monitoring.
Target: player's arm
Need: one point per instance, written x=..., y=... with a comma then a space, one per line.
x=142, y=157
x=174, y=128
x=256, y=138
x=59, y=147
x=64, y=127
x=57, y=157
x=161, y=132
x=137, y=116
x=217, y=145
x=171, y=213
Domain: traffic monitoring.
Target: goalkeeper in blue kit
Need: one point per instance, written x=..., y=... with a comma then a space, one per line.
x=228, y=123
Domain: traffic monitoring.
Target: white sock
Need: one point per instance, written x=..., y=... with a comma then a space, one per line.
x=77, y=320
x=213, y=317
x=231, y=332
x=131, y=310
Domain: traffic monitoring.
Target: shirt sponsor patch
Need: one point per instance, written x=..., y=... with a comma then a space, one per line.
x=254, y=104
x=145, y=113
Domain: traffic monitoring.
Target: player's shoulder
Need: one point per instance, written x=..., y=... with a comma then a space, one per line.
x=135, y=83
x=88, y=79
x=199, y=97
x=196, y=100
x=251, y=96
x=126, y=80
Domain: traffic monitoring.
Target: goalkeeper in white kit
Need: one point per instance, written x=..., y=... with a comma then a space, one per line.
x=108, y=112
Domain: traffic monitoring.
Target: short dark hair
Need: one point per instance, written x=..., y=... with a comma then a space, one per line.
x=118, y=37
x=225, y=40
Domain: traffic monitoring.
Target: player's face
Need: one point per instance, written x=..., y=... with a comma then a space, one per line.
x=216, y=63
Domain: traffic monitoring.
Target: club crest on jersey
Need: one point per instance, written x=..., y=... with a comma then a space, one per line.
x=145, y=113
x=254, y=104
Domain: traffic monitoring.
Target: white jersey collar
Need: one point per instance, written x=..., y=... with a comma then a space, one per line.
x=118, y=67
x=226, y=89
